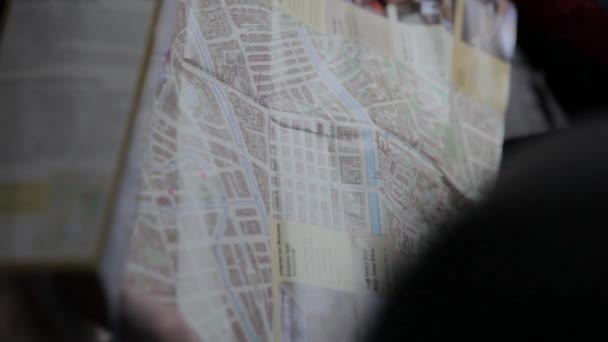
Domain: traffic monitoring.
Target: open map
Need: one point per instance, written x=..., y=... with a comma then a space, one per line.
x=288, y=171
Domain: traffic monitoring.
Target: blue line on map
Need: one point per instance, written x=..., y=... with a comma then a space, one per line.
x=246, y=162
x=219, y=94
x=200, y=42
x=375, y=212
x=235, y=131
x=227, y=108
x=350, y=101
x=369, y=155
x=368, y=138
x=251, y=179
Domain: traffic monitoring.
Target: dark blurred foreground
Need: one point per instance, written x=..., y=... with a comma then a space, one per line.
x=530, y=262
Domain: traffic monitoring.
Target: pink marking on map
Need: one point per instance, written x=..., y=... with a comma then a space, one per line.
x=204, y=176
x=171, y=191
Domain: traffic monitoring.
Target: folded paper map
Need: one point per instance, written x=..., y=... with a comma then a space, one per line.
x=298, y=153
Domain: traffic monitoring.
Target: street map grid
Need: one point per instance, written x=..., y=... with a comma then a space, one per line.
x=258, y=118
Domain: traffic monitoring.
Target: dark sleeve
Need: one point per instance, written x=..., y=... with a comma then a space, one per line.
x=529, y=263
x=583, y=24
